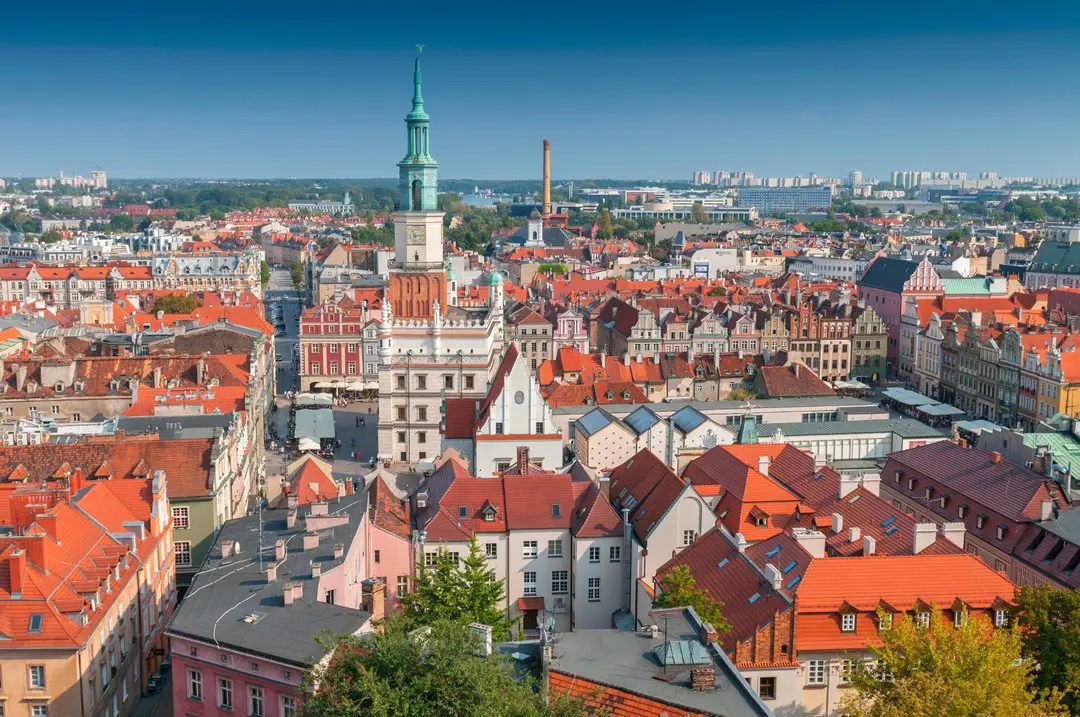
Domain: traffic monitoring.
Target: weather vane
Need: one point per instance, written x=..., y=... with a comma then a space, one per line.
x=419, y=49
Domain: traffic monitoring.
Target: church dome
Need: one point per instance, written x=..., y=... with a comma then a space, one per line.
x=495, y=278
x=535, y=215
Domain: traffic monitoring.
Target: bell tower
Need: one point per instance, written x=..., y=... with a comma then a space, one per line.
x=418, y=274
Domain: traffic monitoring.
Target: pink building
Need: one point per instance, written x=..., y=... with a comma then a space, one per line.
x=569, y=330
x=885, y=286
x=245, y=634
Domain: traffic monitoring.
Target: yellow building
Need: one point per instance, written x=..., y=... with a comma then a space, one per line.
x=91, y=586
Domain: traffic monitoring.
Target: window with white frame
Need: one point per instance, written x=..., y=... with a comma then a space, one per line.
x=256, y=702
x=180, y=517
x=182, y=549
x=594, y=554
x=491, y=550
x=689, y=536
x=37, y=677
x=402, y=585
x=1001, y=618
x=430, y=558
x=554, y=548
x=815, y=672
x=923, y=619
x=530, y=583
x=594, y=589
x=960, y=617
x=615, y=554
x=559, y=582
x=225, y=699
x=529, y=549
x=288, y=706
x=847, y=622
x=194, y=685
x=39, y=711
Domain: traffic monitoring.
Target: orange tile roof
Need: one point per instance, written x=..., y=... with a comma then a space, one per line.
x=606, y=700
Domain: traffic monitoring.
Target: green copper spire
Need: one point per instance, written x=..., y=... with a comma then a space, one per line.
x=748, y=434
x=419, y=175
x=418, y=97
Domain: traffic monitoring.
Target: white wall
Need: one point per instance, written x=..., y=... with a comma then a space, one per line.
x=597, y=615
x=543, y=565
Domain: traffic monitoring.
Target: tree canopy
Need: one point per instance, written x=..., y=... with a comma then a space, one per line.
x=264, y=273
x=296, y=272
x=973, y=669
x=402, y=672
x=1050, y=627
x=465, y=592
x=175, y=304
x=679, y=589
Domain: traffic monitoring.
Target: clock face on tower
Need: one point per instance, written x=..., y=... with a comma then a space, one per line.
x=416, y=235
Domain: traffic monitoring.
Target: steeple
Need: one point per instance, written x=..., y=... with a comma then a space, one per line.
x=748, y=434
x=418, y=172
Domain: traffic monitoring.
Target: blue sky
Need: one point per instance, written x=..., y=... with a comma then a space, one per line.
x=319, y=89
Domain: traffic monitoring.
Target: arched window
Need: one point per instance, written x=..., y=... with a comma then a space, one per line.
x=417, y=190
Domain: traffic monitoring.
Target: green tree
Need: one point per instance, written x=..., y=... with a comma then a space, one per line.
x=401, y=672
x=698, y=215
x=1049, y=622
x=741, y=394
x=973, y=669
x=296, y=272
x=264, y=273
x=50, y=237
x=175, y=304
x=604, y=220
x=679, y=589
x=122, y=223
x=463, y=593
x=552, y=269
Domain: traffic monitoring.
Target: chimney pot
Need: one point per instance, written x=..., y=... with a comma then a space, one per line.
x=774, y=576
x=316, y=569
x=854, y=534
x=869, y=545
x=311, y=540
x=925, y=534
x=740, y=542
x=995, y=457
x=837, y=523
x=279, y=549
x=271, y=573
x=763, y=465
x=954, y=533
x=339, y=551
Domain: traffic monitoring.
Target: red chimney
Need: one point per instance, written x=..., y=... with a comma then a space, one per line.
x=40, y=548
x=76, y=481
x=47, y=521
x=522, y=459
x=17, y=568
x=995, y=457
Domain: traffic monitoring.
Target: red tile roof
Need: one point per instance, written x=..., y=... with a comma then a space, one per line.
x=790, y=381
x=601, y=699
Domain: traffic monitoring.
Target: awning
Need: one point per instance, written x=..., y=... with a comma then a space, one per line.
x=941, y=409
x=314, y=423
x=530, y=603
x=354, y=386
x=308, y=444
x=909, y=398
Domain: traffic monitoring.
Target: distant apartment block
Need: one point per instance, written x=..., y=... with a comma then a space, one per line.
x=790, y=200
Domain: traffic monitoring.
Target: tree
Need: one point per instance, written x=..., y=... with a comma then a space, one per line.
x=741, y=394
x=264, y=273
x=296, y=271
x=1050, y=627
x=175, y=304
x=121, y=223
x=50, y=237
x=413, y=673
x=465, y=593
x=973, y=669
x=698, y=215
x=604, y=220
x=552, y=269
x=679, y=589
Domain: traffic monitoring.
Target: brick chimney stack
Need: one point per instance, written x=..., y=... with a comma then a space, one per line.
x=547, y=177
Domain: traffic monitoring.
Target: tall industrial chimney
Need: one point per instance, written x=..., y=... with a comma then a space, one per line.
x=547, y=177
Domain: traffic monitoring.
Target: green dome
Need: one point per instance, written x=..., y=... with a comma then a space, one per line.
x=495, y=278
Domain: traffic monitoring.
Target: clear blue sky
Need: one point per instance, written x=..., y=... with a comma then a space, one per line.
x=319, y=89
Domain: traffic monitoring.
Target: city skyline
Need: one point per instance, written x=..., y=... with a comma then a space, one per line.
x=275, y=94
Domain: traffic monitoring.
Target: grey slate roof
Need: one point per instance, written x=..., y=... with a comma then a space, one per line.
x=904, y=427
x=687, y=419
x=626, y=660
x=594, y=421
x=217, y=603
x=1057, y=258
x=173, y=427
x=641, y=420
x=888, y=274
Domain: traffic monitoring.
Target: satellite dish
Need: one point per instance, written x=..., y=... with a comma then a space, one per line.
x=549, y=623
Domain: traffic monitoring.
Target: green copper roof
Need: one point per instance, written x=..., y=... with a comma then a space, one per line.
x=418, y=97
x=1064, y=447
x=747, y=431
x=966, y=287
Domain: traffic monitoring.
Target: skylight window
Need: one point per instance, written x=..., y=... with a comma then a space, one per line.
x=35, y=623
x=893, y=530
x=556, y=510
x=888, y=521
x=463, y=512
x=754, y=598
x=854, y=498
x=794, y=581
x=725, y=561
x=773, y=552
x=789, y=567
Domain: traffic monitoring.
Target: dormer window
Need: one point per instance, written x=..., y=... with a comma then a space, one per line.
x=847, y=622
x=762, y=521
x=884, y=622
x=929, y=492
x=980, y=520
x=961, y=511
x=489, y=513
x=1001, y=531
x=960, y=618
x=922, y=619
x=911, y=483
